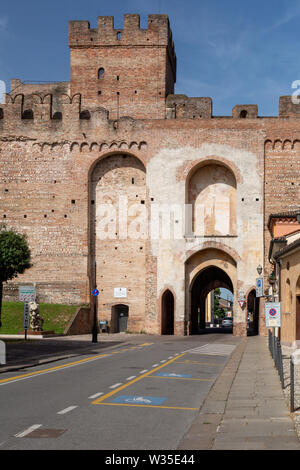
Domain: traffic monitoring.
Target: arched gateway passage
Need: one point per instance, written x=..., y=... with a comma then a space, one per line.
x=204, y=282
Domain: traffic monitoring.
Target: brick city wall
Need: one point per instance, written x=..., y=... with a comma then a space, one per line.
x=61, y=155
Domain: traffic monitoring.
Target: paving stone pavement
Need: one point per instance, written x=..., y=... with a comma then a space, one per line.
x=246, y=408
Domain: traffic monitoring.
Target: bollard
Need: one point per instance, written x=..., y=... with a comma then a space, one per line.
x=2, y=353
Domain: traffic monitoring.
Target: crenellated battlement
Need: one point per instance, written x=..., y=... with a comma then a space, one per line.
x=158, y=32
x=36, y=109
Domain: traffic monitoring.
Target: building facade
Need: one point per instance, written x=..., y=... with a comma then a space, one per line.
x=284, y=255
x=123, y=184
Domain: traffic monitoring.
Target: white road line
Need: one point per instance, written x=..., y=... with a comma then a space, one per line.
x=171, y=357
x=155, y=365
x=143, y=371
x=164, y=360
x=132, y=377
x=66, y=410
x=96, y=395
x=115, y=386
x=28, y=431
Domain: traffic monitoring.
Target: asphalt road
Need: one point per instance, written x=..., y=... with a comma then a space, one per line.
x=141, y=396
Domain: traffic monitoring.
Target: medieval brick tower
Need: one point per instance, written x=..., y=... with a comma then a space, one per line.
x=129, y=72
x=118, y=180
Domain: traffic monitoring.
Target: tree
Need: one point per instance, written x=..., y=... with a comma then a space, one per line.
x=14, y=257
x=218, y=311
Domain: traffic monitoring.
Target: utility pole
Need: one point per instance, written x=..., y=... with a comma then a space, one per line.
x=95, y=329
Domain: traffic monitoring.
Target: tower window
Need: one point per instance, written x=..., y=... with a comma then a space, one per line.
x=119, y=35
x=85, y=114
x=101, y=73
x=243, y=113
x=27, y=114
x=57, y=115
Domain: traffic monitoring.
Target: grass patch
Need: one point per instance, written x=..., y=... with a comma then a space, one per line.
x=56, y=317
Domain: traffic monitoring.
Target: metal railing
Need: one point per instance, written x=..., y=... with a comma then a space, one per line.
x=292, y=385
x=276, y=353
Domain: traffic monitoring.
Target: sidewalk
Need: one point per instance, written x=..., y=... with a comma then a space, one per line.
x=23, y=354
x=246, y=408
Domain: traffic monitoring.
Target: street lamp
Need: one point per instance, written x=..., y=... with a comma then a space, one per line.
x=259, y=269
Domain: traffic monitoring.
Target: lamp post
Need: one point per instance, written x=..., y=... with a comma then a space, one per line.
x=95, y=330
x=259, y=269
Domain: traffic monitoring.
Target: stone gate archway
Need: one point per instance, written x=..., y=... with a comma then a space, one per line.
x=207, y=280
x=206, y=270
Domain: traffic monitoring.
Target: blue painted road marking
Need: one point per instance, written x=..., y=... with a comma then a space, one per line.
x=179, y=376
x=139, y=400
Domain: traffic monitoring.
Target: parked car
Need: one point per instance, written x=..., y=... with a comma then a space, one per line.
x=227, y=321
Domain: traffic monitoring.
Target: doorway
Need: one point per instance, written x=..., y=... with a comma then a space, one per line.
x=252, y=313
x=298, y=318
x=167, y=313
x=120, y=315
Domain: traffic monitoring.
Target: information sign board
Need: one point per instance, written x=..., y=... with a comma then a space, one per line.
x=120, y=292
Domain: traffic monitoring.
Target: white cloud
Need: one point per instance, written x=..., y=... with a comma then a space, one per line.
x=290, y=14
x=3, y=22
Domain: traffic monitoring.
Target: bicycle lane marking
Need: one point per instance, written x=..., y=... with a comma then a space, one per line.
x=101, y=401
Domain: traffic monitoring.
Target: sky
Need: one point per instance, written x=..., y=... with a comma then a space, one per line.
x=236, y=52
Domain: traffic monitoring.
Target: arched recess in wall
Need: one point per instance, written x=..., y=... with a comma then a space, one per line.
x=118, y=232
x=211, y=189
x=167, y=313
x=288, y=296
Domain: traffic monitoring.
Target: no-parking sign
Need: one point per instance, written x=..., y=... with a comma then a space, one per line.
x=272, y=312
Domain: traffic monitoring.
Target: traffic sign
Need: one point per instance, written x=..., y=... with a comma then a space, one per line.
x=27, y=294
x=260, y=287
x=95, y=292
x=26, y=316
x=273, y=314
